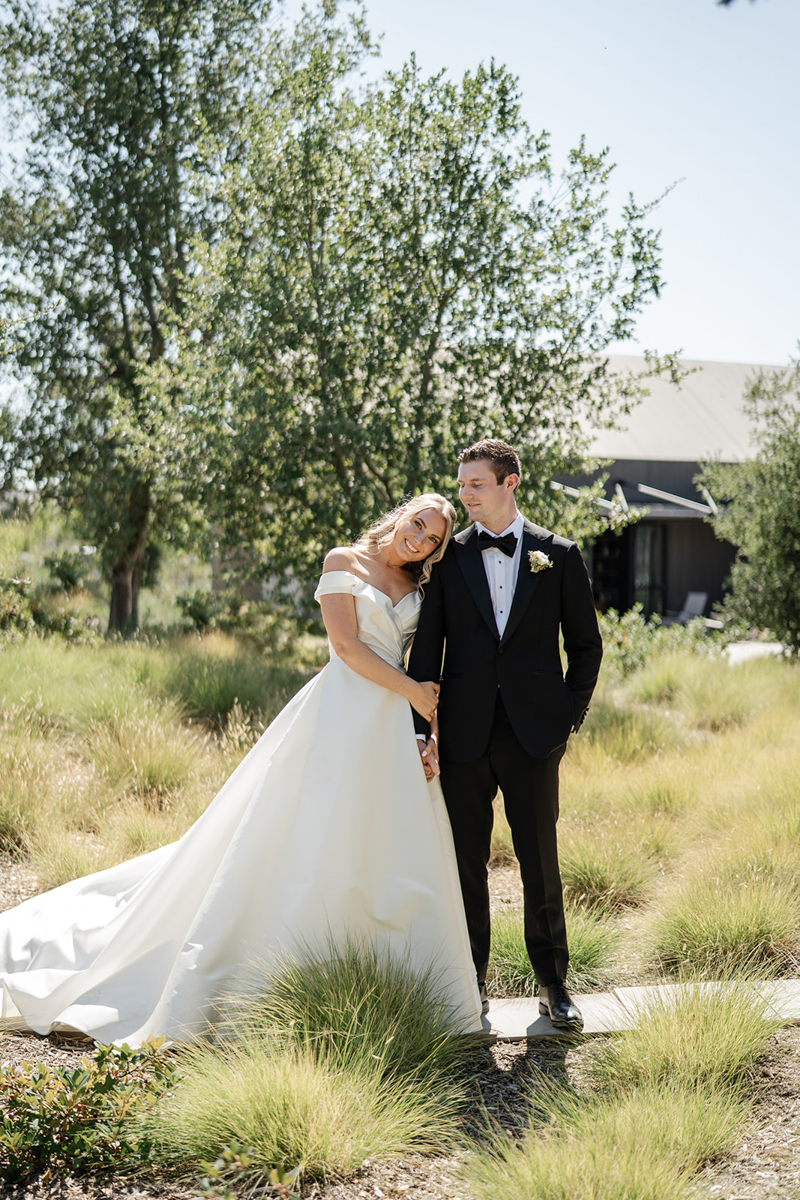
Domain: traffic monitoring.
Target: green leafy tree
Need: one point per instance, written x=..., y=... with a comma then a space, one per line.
x=112, y=100
x=761, y=510
x=402, y=272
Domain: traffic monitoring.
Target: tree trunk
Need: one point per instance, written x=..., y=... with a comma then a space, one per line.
x=123, y=613
x=126, y=574
x=120, y=613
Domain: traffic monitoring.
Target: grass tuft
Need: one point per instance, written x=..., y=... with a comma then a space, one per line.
x=147, y=754
x=699, y=1036
x=357, y=1005
x=644, y=1146
x=209, y=677
x=592, y=942
x=712, y=930
x=344, y=1057
x=624, y=733
x=605, y=876
x=293, y=1107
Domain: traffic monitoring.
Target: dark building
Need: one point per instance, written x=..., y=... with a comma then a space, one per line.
x=672, y=551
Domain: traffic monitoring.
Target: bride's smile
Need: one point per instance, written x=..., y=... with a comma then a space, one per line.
x=415, y=538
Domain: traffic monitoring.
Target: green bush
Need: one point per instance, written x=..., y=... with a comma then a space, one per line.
x=631, y=641
x=70, y=569
x=32, y=611
x=267, y=624
x=59, y=1121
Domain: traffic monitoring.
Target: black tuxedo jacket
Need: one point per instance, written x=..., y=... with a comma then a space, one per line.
x=457, y=642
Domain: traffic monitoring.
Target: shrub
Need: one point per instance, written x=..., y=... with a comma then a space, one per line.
x=61, y=1121
x=267, y=624
x=631, y=641
x=70, y=569
x=27, y=611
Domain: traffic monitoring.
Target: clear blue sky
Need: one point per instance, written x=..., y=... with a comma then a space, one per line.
x=678, y=90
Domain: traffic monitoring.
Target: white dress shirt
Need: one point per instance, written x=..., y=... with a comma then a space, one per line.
x=502, y=570
x=501, y=574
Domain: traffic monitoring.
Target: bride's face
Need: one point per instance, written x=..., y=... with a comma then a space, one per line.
x=418, y=535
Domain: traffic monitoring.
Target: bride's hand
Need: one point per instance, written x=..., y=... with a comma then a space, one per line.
x=425, y=699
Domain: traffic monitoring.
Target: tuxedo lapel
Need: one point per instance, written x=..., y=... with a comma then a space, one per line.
x=468, y=557
x=527, y=581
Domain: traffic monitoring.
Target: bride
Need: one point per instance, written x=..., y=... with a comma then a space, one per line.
x=327, y=829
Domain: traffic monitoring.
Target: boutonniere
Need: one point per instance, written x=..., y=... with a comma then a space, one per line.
x=539, y=561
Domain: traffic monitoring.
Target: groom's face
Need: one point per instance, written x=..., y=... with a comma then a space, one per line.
x=486, y=500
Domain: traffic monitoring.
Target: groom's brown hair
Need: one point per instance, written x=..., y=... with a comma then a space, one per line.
x=503, y=458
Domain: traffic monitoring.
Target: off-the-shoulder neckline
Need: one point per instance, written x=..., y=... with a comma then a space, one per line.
x=366, y=582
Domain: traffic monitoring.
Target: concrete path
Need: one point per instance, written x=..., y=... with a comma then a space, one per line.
x=513, y=1020
x=739, y=652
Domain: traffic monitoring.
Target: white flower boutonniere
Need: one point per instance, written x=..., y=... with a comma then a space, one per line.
x=539, y=561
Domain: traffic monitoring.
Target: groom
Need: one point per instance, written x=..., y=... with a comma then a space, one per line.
x=494, y=606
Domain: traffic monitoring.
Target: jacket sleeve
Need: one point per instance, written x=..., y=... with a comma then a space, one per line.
x=582, y=641
x=425, y=661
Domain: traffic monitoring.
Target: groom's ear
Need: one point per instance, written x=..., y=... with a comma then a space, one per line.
x=511, y=481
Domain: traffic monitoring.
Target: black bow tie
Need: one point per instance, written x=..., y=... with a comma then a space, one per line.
x=507, y=543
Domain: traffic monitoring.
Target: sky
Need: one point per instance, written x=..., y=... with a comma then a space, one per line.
x=684, y=92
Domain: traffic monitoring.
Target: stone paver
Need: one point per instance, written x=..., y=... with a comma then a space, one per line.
x=739, y=652
x=515, y=1019
x=783, y=997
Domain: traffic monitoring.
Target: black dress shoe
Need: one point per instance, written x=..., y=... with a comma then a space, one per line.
x=555, y=1002
x=484, y=996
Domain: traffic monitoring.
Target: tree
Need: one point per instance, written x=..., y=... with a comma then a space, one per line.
x=402, y=273
x=761, y=514
x=113, y=99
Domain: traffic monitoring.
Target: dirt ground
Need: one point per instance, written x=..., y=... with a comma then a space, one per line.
x=764, y=1166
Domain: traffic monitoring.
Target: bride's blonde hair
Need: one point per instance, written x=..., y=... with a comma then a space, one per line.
x=381, y=533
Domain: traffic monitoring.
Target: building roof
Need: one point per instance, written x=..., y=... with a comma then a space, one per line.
x=699, y=420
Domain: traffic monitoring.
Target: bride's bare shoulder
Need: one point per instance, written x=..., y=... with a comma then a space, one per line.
x=341, y=558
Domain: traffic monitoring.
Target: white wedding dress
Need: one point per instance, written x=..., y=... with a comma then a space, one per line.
x=327, y=829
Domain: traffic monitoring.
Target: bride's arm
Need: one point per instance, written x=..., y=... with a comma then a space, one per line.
x=339, y=615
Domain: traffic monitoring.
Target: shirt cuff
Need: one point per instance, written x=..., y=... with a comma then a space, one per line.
x=421, y=737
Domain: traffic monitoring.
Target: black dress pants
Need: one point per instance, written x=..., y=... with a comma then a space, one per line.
x=530, y=793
